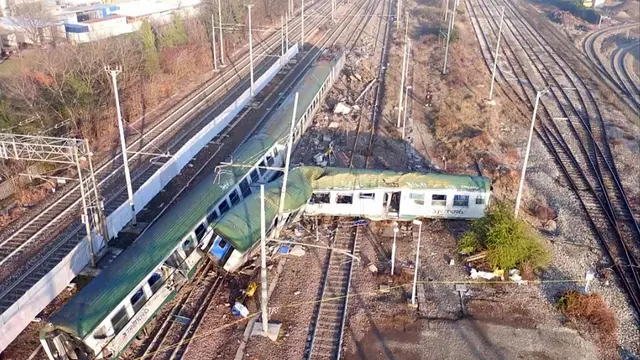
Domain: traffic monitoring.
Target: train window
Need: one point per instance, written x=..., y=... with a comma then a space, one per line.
x=221, y=244
x=155, y=282
x=320, y=198
x=461, y=200
x=224, y=207
x=119, y=320
x=188, y=246
x=244, y=188
x=480, y=200
x=200, y=230
x=344, y=199
x=367, y=196
x=438, y=200
x=211, y=218
x=138, y=299
x=269, y=160
x=275, y=151
x=234, y=197
x=261, y=167
x=254, y=175
x=174, y=259
x=417, y=198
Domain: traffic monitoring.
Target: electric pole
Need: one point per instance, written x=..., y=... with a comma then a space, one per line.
x=263, y=263
x=451, y=24
x=127, y=175
x=333, y=10
x=213, y=43
x=417, y=264
x=526, y=153
x=282, y=48
x=495, y=58
x=287, y=161
x=398, y=14
x=404, y=70
x=249, y=6
x=220, y=32
x=302, y=25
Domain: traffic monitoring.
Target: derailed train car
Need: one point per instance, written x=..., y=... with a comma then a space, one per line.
x=101, y=320
x=366, y=193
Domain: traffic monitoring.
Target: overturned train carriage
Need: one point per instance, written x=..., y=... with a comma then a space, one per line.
x=372, y=194
x=101, y=320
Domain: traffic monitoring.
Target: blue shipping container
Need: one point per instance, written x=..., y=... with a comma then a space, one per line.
x=76, y=28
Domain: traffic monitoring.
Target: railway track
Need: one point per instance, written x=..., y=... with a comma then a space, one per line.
x=173, y=335
x=173, y=338
x=614, y=72
x=328, y=327
x=378, y=91
x=36, y=267
x=168, y=134
x=621, y=72
x=572, y=129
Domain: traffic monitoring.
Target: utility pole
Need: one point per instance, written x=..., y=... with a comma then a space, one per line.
x=333, y=10
x=263, y=263
x=85, y=209
x=249, y=6
x=451, y=23
x=445, y=4
x=404, y=70
x=495, y=58
x=220, y=32
x=213, y=43
x=398, y=14
x=286, y=34
x=127, y=175
x=404, y=118
x=286, y=164
x=302, y=25
x=282, y=48
x=417, y=264
x=393, y=248
x=526, y=153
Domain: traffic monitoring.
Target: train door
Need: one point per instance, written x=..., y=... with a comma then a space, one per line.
x=391, y=203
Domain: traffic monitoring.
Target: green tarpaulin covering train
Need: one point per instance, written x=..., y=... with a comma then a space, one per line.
x=220, y=218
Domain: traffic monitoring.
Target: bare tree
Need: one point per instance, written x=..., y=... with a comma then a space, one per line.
x=35, y=23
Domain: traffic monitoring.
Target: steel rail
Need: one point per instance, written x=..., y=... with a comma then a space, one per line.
x=631, y=285
x=335, y=288
x=185, y=339
x=620, y=71
x=603, y=156
x=33, y=267
x=158, y=337
x=590, y=49
x=336, y=278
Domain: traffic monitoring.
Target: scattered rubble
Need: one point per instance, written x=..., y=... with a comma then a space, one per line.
x=341, y=108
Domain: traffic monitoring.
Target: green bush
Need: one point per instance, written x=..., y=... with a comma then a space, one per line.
x=149, y=49
x=174, y=34
x=509, y=241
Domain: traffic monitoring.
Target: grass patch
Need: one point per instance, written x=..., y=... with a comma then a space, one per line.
x=509, y=241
